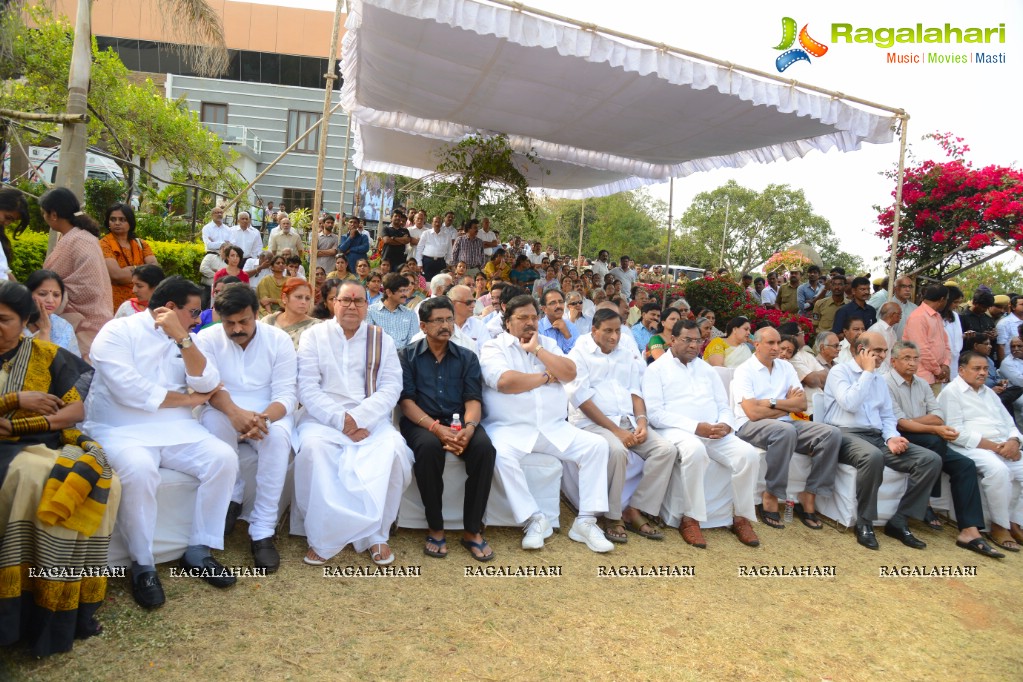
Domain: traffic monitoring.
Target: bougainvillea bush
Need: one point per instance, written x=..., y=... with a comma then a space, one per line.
x=952, y=212
x=787, y=260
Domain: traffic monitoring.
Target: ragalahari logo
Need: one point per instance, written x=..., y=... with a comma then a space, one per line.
x=808, y=46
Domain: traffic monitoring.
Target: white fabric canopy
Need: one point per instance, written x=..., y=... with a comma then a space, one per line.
x=603, y=115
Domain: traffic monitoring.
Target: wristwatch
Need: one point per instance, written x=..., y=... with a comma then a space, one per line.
x=473, y=424
x=184, y=343
x=774, y=403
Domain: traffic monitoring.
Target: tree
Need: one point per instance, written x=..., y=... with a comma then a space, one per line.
x=200, y=37
x=759, y=225
x=954, y=215
x=127, y=118
x=999, y=277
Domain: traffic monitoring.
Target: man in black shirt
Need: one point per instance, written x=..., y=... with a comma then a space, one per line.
x=442, y=379
x=976, y=321
x=394, y=239
x=857, y=307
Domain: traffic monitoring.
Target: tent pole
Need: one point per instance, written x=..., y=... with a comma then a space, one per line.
x=667, y=258
x=344, y=167
x=724, y=233
x=321, y=155
x=582, y=220
x=898, y=206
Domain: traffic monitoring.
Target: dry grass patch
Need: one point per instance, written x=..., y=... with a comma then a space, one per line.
x=300, y=625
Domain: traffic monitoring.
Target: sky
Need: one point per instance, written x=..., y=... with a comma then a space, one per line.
x=980, y=103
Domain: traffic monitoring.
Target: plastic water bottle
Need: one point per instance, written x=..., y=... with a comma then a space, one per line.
x=456, y=422
x=789, y=506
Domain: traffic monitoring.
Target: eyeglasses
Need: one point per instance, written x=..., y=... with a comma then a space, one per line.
x=575, y=303
x=831, y=345
x=195, y=313
x=471, y=301
x=444, y=321
x=688, y=340
x=346, y=302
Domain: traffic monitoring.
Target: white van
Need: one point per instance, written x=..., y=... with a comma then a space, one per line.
x=43, y=163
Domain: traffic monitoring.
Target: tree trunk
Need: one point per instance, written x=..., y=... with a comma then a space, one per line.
x=74, y=136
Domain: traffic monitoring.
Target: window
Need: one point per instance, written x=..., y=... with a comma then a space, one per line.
x=213, y=113
x=298, y=123
x=298, y=198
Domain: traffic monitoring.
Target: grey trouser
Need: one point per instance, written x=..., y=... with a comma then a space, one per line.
x=866, y=450
x=821, y=442
x=659, y=455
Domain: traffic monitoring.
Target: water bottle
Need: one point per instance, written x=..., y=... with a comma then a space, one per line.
x=789, y=506
x=456, y=422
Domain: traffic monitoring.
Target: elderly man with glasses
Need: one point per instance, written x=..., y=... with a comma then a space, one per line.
x=352, y=465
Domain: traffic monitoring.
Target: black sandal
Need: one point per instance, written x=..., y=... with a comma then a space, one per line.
x=980, y=547
x=932, y=520
x=772, y=519
x=809, y=518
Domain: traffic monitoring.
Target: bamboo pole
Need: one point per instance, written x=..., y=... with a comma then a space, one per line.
x=582, y=221
x=321, y=157
x=892, y=264
x=47, y=118
x=667, y=259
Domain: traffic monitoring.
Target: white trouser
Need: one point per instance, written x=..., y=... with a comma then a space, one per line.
x=351, y=493
x=738, y=456
x=1002, y=483
x=209, y=460
x=588, y=451
x=270, y=456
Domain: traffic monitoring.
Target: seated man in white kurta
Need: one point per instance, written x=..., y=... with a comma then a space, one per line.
x=139, y=405
x=253, y=412
x=352, y=465
x=988, y=436
x=688, y=405
x=526, y=407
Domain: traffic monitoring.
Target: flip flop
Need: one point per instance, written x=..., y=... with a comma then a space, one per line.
x=313, y=559
x=771, y=519
x=980, y=547
x=481, y=548
x=932, y=520
x=808, y=518
x=1009, y=545
x=436, y=554
x=377, y=557
x=619, y=538
x=637, y=528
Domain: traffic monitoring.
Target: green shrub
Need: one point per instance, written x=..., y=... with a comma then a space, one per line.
x=724, y=296
x=175, y=258
x=29, y=253
x=100, y=194
x=35, y=216
x=162, y=228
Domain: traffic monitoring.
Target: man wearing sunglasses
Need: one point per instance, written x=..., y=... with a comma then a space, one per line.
x=140, y=408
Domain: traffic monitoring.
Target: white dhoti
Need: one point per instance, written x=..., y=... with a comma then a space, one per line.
x=1002, y=484
x=349, y=492
x=588, y=451
x=738, y=456
x=270, y=457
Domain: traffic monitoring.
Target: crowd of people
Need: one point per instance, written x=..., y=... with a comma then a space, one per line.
x=451, y=340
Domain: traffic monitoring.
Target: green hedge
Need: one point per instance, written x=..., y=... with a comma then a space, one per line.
x=175, y=258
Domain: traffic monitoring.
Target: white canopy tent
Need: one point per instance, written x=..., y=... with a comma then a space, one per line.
x=602, y=112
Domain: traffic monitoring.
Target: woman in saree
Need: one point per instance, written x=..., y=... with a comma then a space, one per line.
x=296, y=302
x=58, y=498
x=733, y=349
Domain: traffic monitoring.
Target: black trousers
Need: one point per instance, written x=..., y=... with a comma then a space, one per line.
x=432, y=266
x=429, y=452
x=962, y=473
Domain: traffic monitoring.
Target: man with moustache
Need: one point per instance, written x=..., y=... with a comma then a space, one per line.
x=553, y=324
x=252, y=414
x=441, y=379
x=524, y=375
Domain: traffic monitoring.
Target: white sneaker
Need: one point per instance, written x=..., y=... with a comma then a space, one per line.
x=591, y=534
x=538, y=530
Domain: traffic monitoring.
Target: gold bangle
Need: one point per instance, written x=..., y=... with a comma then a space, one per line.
x=27, y=425
x=9, y=402
x=425, y=416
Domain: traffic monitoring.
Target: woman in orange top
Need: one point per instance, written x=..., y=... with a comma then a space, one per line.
x=123, y=251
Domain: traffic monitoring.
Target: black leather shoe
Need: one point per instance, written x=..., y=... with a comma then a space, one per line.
x=904, y=536
x=265, y=555
x=865, y=536
x=210, y=570
x=147, y=590
x=234, y=510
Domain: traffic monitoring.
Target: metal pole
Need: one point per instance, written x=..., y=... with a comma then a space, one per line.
x=667, y=260
x=321, y=157
x=898, y=207
x=582, y=220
